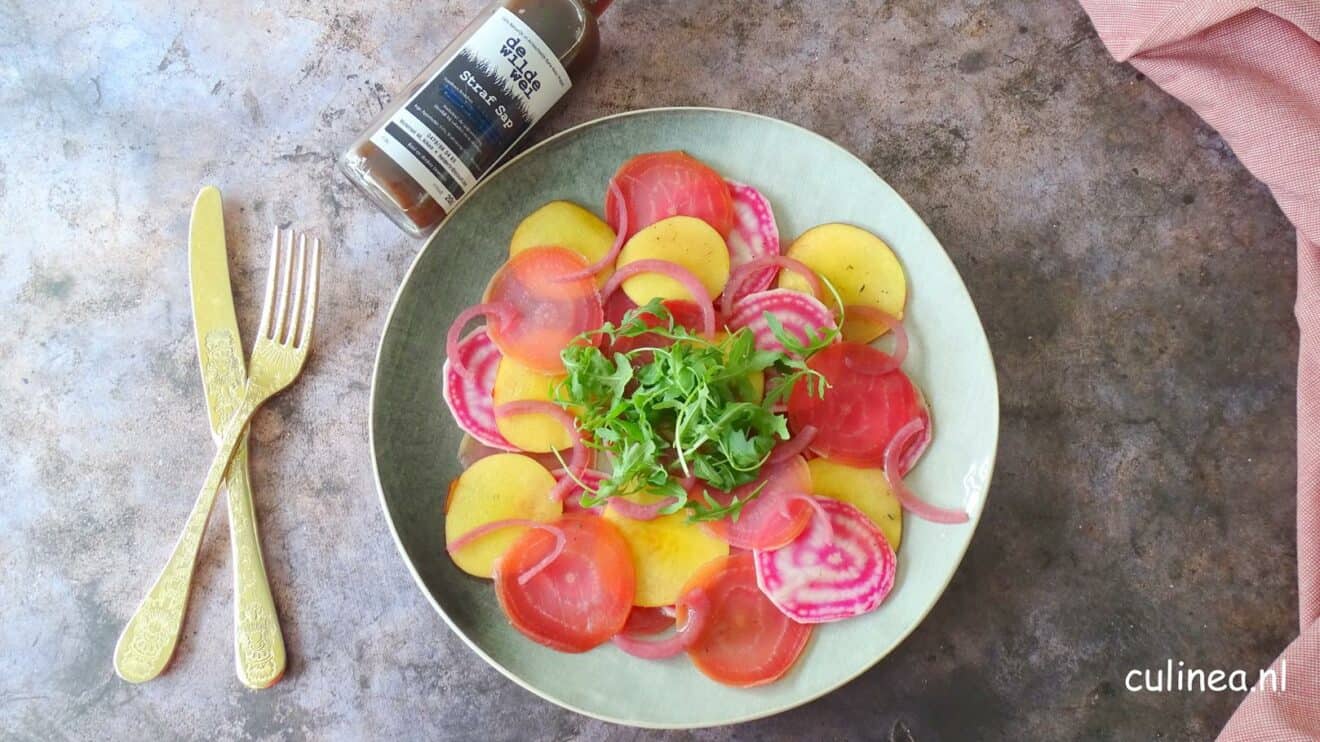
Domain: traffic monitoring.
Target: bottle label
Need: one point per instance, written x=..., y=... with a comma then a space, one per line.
x=475, y=108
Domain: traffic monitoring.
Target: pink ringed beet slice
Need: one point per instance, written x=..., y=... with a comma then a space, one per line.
x=754, y=235
x=796, y=311
x=835, y=569
x=733, y=288
x=470, y=398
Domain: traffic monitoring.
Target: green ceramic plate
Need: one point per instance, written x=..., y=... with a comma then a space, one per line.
x=809, y=180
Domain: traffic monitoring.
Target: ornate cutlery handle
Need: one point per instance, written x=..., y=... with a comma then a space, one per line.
x=149, y=639
x=258, y=643
x=152, y=634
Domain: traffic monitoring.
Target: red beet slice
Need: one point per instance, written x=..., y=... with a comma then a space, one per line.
x=770, y=519
x=860, y=412
x=686, y=314
x=658, y=185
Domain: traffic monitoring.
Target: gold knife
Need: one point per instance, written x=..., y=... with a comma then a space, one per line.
x=258, y=643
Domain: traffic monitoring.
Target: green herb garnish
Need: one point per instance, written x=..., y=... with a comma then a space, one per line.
x=687, y=410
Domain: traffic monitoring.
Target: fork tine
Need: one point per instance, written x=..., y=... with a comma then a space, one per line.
x=313, y=281
x=295, y=310
x=281, y=313
x=268, y=306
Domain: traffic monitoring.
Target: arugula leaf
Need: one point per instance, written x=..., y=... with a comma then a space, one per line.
x=685, y=410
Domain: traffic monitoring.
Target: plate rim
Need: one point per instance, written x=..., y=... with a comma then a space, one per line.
x=506, y=672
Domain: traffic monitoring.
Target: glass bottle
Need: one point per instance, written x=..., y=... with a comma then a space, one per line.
x=470, y=106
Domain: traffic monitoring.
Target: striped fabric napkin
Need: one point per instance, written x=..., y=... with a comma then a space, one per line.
x=1251, y=69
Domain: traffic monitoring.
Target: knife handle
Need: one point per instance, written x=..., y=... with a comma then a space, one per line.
x=152, y=634
x=258, y=642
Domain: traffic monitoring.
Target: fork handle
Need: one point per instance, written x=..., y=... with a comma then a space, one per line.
x=152, y=634
x=258, y=642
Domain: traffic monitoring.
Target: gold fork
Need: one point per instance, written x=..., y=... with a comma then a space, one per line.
x=152, y=634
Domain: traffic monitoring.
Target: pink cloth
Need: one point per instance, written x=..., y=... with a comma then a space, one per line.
x=1251, y=69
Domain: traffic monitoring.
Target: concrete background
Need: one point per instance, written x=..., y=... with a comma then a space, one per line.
x=1135, y=281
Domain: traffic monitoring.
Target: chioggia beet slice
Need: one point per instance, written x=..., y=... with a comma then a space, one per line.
x=797, y=312
x=471, y=398
x=754, y=235
x=835, y=569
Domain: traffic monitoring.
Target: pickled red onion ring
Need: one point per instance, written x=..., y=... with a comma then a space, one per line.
x=814, y=504
x=577, y=463
x=919, y=508
x=635, y=511
x=675, y=271
x=892, y=323
x=587, y=475
x=501, y=312
x=698, y=606
x=608, y=258
x=535, y=569
x=741, y=273
x=794, y=446
x=586, y=472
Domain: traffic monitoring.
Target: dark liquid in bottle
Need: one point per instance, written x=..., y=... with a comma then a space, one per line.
x=566, y=27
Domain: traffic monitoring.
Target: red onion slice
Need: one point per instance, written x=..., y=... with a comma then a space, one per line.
x=619, y=239
x=501, y=313
x=577, y=463
x=590, y=477
x=892, y=323
x=918, y=507
x=811, y=501
x=793, y=446
x=635, y=511
x=698, y=608
x=700, y=295
x=740, y=275
x=648, y=621
x=497, y=525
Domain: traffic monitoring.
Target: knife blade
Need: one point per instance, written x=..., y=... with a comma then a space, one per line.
x=215, y=324
x=258, y=642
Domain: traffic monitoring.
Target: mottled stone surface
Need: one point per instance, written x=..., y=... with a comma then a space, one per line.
x=1135, y=282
